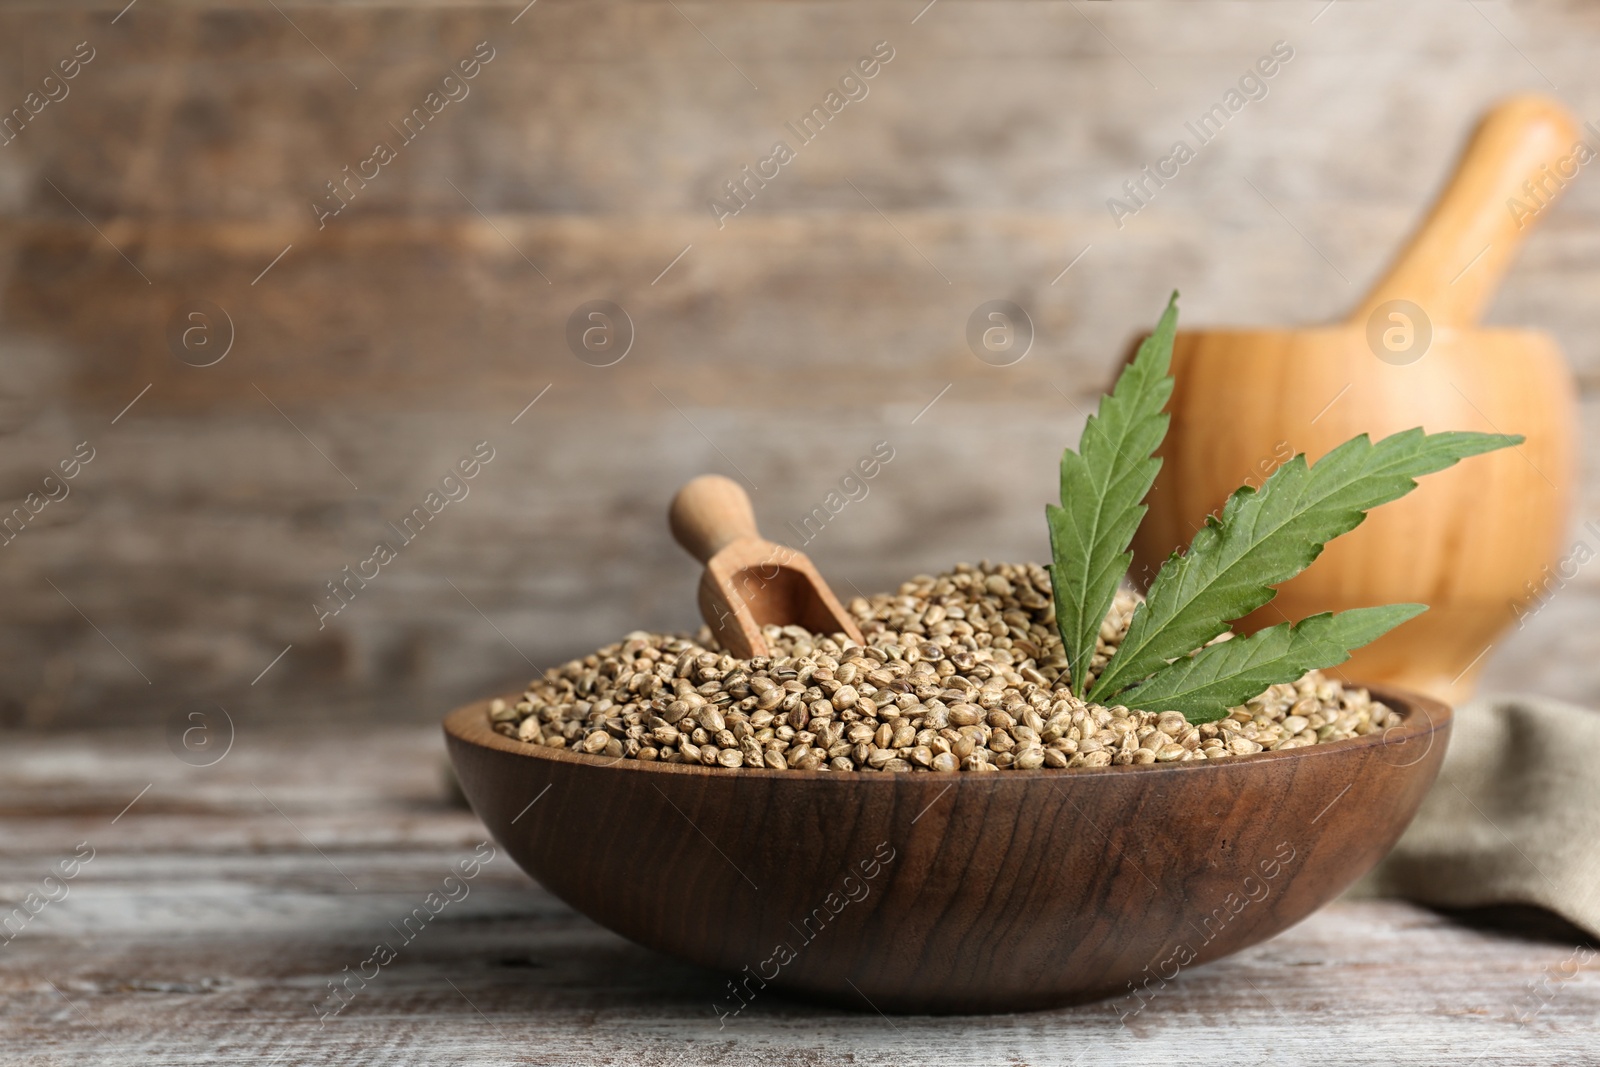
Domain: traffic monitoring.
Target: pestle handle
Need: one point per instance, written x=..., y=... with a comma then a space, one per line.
x=710, y=513
x=1524, y=138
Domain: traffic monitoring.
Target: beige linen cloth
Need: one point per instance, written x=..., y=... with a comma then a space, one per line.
x=1514, y=817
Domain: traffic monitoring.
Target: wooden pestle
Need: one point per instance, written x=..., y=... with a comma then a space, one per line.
x=1453, y=264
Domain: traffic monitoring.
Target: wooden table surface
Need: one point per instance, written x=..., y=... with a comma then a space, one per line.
x=221, y=902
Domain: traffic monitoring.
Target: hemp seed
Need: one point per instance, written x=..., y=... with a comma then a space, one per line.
x=962, y=671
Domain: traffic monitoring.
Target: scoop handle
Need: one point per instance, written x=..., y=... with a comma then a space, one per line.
x=1454, y=261
x=710, y=513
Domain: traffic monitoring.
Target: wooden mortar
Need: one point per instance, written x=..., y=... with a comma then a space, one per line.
x=1470, y=540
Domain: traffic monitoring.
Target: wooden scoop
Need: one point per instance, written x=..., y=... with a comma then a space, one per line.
x=1472, y=541
x=749, y=583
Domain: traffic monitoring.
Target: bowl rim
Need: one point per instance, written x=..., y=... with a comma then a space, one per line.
x=1422, y=717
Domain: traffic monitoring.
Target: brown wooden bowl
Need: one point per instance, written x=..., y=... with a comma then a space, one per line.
x=952, y=892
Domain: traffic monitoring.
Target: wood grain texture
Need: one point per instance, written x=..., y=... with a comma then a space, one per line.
x=807, y=328
x=952, y=892
x=206, y=928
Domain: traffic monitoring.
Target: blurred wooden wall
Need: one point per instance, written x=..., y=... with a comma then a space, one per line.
x=368, y=356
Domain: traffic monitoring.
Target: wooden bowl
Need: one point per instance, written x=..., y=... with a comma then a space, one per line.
x=951, y=892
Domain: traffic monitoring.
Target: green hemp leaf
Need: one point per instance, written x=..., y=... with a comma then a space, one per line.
x=1103, y=487
x=1224, y=675
x=1267, y=537
x=1262, y=539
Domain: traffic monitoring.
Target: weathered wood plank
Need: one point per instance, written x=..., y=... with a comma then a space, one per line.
x=202, y=564
x=512, y=977
x=199, y=934
x=467, y=317
x=806, y=329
